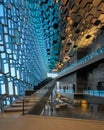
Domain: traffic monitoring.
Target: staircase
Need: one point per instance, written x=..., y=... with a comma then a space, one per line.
x=23, y=104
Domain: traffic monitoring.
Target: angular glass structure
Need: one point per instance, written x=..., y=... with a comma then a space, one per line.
x=29, y=43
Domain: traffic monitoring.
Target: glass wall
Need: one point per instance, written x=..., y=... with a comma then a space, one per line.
x=22, y=61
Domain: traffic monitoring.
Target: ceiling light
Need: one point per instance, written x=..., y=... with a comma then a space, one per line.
x=54, y=70
x=62, y=41
x=57, y=1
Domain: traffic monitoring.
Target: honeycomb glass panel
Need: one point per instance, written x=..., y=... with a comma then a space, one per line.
x=6, y=68
x=10, y=86
x=2, y=84
x=24, y=39
x=13, y=72
x=3, y=89
x=16, y=90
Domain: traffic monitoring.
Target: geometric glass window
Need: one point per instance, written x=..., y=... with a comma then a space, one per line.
x=12, y=71
x=10, y=87
x=6, y=68
x=16, y=90
x=3, y=91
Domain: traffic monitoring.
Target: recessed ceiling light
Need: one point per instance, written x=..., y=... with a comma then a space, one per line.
x=57, y=1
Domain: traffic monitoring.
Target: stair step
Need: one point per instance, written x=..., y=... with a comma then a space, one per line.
x=17, y=106
x=27, y=101
x=21, y=104
x=17, y=109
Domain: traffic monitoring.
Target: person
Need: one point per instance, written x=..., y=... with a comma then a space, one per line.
x=64, y=88
x=74, y=88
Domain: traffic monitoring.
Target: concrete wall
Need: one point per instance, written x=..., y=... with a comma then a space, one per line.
x=96, y=74
x=81, y=80
x=88, y=78
x=68, y=81
x=97, y=43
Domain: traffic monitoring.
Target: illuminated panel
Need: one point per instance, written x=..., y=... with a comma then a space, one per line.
x=2, y=84
x=10, y=86
x=16, y=90
x=29, y=42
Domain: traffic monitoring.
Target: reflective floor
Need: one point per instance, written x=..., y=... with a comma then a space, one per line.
x=76, y=109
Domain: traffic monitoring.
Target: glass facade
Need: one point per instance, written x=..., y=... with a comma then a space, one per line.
x=28, y=49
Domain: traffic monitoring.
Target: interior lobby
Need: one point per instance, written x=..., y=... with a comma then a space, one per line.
x=51, y=64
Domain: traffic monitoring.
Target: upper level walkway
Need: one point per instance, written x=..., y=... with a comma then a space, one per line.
x=90, y=59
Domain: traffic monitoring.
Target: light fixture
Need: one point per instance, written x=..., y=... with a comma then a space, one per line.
x=66, y=58
x=57, y=1
x=55, y=70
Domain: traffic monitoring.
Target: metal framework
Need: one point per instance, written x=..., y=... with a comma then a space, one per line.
x=29, y=43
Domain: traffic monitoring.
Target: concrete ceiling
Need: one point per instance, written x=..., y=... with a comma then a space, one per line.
x=82, y=21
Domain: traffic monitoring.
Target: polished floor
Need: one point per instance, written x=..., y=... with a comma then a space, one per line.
x=28, y=122
x=78, y=112
x=75, y=108
x=52, y=119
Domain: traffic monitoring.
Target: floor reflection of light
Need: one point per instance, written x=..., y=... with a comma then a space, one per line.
x=84, y=105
